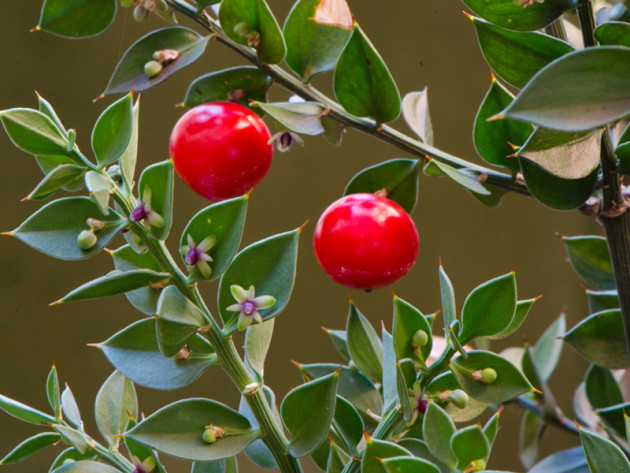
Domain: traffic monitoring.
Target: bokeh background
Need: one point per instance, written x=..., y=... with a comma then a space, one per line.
x=424, y=43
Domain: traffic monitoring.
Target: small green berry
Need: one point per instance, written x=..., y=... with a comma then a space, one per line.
x=488, y=375
x=420, y=338
x=152, y=69
x=209, y=436
x=459, y=398
x=86, y=239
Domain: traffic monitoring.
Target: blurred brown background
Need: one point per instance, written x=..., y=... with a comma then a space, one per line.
x=424, y=43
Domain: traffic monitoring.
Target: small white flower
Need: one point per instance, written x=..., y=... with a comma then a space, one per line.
x=249, y=305
x=144, y=212
x=197, y=255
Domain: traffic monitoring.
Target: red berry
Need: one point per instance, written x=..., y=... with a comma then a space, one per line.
x=221, y=149
x=365, y=241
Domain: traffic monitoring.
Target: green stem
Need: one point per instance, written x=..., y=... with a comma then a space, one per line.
x=114, y=458
x=556, y=420
x=587, y=22
x=365, y=125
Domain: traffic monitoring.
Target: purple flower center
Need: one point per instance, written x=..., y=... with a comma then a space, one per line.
x=286, y=140
x=139, y=469
x=139, y=213
x=248, y=307
x=422, y=406
x=192, y=257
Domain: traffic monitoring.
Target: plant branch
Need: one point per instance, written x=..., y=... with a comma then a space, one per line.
x=587, y=22
x=368, y=126
x=558, y=419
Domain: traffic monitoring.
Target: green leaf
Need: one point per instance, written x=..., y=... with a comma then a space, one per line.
x=522, y=309
x=364, y=345
x=129, y=156
x=509, y=383
x=447, y=295
x=491, y=428
x=348, y=424
x=54, y=228
x=517, y=56
x=591, y=260
x=555, y=192
x=407, y=321
x=340, y=341
x=603, y=455
x=580, y=91
x=72, y=454
x=353, y=386
x=159, y=178
x=77, y=18
x=402, y=388
x=255, y=16
x=34, y=133
x=548, y=348
x=178, y=320
x=225, y=221
x=398, y=177
x=240, y=84
x=389, y=383
x=601, y=300
x=512, y=15
x=448, y=382
x=112, y=131
x=494, y=139
x=86, y=466
x=337, y=459
x=563, y=154
x=115, y=403
x=314, y=47
x=468, y=180
x=307, y=413
x=53, y=392
x=99, y=187
x=30, y=446
x=469, y=444
x=116, y=282
x=419, y=449
x=376, y=451
x=362, y=82
x=59, y=177
x=600, y=339
x=613, y=33
x=47, y=109
x=532, y=429
x=415, y=109
x=24, y=412
x=269, y=266
x=177, y=429
x=126, y=259
x=409, y=465
x=489, y=308
x=134, y=351
x=299, y=117
x=438, y=429
x=257, y=341
x=129, y=73
x=565, y=461
x=228, y=465
x=70, y=408
x=75, y=438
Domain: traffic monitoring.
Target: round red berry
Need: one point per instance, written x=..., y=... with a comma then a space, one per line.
x=221, y=149
x=365, y=241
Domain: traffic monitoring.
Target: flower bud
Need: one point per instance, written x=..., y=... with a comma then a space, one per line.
x=459, y=398
x=152, y=69
x=140, y=13
x=476, y=465
x=485, y=376
x=212, y=434
x=243, y=30
x=86, y=239
x=420, y=338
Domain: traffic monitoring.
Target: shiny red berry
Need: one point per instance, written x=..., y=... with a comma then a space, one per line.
x=365, y=241
x=221, y=149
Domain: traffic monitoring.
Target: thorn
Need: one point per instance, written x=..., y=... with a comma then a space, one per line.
x=498, y=116
x=534, y=390
x=338, y=370
x=299, y=230
x=327, y=330
x=94, y=345
x=500, y=409
x=577, y=425
x=559, y=235
x=469, y=16
x=38, y=96
x=298, y=365
x=513, y=146
x=180, y=105
x=249, y=192
x=25, y=199
x=53, y=364
x=367, y=437
x=513, y=271
x=537, y=298
x=108, y=251
x=494, y=77
x=394, y=295
x=60, y=301
x=7, y=233
x=102, y=96
x=37, y=28
x=349, y=298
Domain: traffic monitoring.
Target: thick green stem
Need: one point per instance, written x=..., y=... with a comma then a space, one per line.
x=365, y=125
x=587, y=22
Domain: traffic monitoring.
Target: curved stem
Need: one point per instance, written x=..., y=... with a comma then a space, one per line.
x=368, y=126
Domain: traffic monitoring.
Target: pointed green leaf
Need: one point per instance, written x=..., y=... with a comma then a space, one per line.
x=510, y=14
x=402, y=388
x=613, y=33
x=299, y=117
x=348, y=424
x=491, y=428
x=602, y=455
x=257, y=341
x=116, y=282
x=47, y=109
x=389, y=381
x=177, y=320
x=228, y=465
x=340, y=341
x=337, y=459
x=448, y=382
x=59, y=177
x=307, y=413
x=54, y=228
x=177, y=429
x=516, y=56
x=509, y=383
x=494, y=139
x=134, y=351
x=75, y=438
x=469, y=444
x=580, y=91
x=115, y=403
x=269, y=266
x=77, y=18
x=548, y=348
x=255, y=16
x=240, y=84
x=378, y=450
x=129, y=156
x=24, y=412
x=30, y=446
x=489, y=308
x=591, y=260
x=409, y=465
x=159, y=178
x=33, y=132
x=72, y=454
x=447, y=295
x=86, y=466
x=364, y=345
x=53, y=392
x=415, y=109
x=601, y=300
x=112, y=131
x=407, y=322
x=129, y=73
x=468, y=180
x=532, y=429
x=522, y=309
x=398, y=177
x=99, y=188
x=555, y=192
x=314, y=47
x=438, y=429
x=565, y=461
x=600, y=339
x=362, y=82
x=70, y=408
x=419, y=449
x=126, y=259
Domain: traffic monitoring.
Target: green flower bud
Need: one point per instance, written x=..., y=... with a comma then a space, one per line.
x=209, y=436
x=459, y=398
x=140, y=13
x=152, y=69
x=86, y=239
x=420, y=338
x=489, y=375
x=476, y=465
